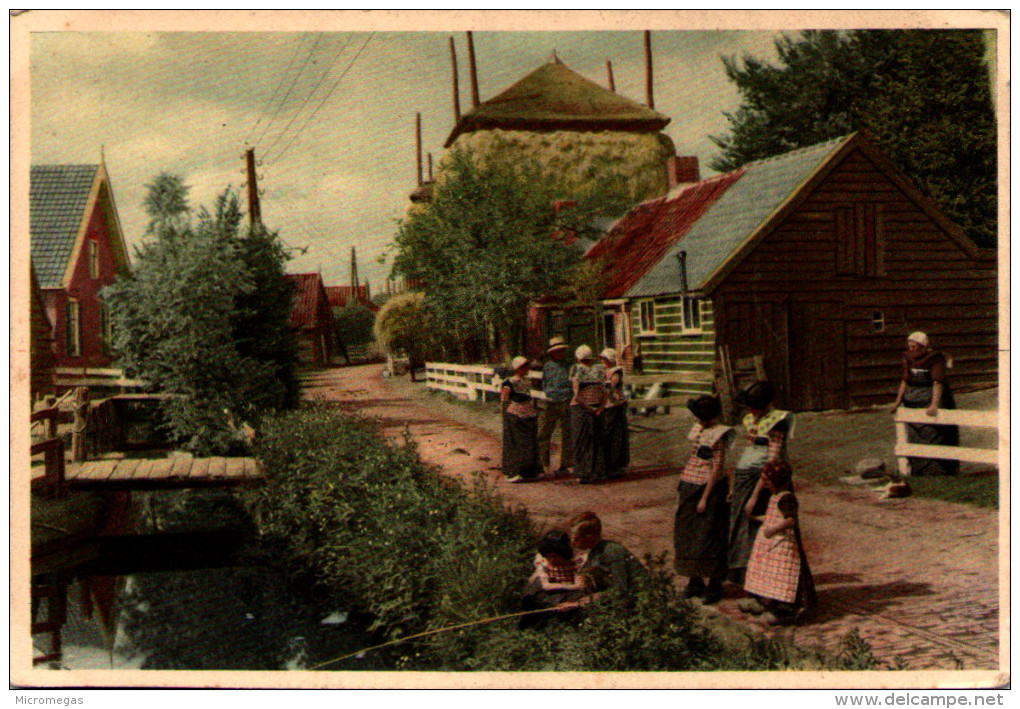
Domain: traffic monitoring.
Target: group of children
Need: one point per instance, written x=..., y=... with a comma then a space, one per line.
x=746, y=528
x=736, y=524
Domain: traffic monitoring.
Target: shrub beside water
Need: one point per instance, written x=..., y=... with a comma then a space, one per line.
x=418, y=551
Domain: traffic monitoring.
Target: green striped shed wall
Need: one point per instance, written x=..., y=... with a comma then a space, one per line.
x=670, y=349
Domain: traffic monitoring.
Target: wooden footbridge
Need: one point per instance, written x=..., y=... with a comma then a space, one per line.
x=179, y=470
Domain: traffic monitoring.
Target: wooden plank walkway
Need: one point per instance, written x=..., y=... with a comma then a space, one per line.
x=179, y=470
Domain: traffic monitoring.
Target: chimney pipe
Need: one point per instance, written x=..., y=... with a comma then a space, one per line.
x=474, y=71
x=648, y=69
x=682, y=257
x=417, y=143
x=609, y=73
x=456, y=82
x=682, y=170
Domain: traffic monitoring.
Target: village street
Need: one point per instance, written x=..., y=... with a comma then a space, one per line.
x=918, y=578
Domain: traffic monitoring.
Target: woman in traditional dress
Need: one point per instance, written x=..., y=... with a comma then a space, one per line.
x=586, y=416
x=923, y=385
x=520, y=426
x=701, y=528
x=617, y=436
x=778, y=577
x=767, y=430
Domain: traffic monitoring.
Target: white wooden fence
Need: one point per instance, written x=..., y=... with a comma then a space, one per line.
x=947, y=417
x=94, y=377
x=475, y=381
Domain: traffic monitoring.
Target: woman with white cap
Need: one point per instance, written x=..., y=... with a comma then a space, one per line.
x=923, y=385
x=617, y=437
x=520, y=425
x=586, y=420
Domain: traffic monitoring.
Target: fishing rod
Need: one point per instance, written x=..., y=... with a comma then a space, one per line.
x=434, y=631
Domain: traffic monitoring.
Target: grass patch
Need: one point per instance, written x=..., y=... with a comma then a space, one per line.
x=980, y=490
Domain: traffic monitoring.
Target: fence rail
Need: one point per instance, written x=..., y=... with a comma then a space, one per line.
x=945, y=417
x=475, y=382
x=94, y=377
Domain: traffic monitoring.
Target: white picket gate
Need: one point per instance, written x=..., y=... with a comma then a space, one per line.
x=948, y=417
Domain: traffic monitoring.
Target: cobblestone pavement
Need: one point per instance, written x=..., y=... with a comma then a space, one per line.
x=918, y=578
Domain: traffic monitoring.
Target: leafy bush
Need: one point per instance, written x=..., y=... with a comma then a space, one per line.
x=421, y=552
x=354, y=323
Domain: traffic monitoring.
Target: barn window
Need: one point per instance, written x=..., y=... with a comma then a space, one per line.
x=692, y=316
x=72, y=325
x=647, y=308
x=877, y=321
x=859, y=248
x=93, y=259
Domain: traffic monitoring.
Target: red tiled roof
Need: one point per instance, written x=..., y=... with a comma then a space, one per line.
x=643, y=237
x=307, y=292
x=340, y=296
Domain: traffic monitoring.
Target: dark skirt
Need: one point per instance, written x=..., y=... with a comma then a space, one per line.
x=700, y=540
x=743, y=529
x=520, y=447
x=617, y=440
x=919, y=397
x=588, y=432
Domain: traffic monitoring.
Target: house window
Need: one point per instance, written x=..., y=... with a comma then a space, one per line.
x=609, y=330
x=106, y=329
x=692, y=316
x=647, y=309
x=72, y=323
x=878, y=321
x=93, y=259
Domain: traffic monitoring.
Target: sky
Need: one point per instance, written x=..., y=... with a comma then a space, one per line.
x=330, y=115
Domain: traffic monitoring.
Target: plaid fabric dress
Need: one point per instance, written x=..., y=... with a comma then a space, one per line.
x=557, y=573
x=773, y=570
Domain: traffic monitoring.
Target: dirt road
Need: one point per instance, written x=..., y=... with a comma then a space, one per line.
x=918, y=578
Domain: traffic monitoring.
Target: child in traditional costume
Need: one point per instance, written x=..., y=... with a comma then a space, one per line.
x=767, y=431
x=778, y=578
x=701, y=527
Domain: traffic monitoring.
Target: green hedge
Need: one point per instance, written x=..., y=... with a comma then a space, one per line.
x=420, y=552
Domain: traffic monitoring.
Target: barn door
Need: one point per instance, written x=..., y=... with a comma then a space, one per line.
x=760, y=328
x=818, y=356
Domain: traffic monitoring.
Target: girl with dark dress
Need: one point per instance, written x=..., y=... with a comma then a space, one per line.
x=520, y=426
x=767, y=431
x=587, y=423
x=701, y=527
x=923, y=385
x=617, y=436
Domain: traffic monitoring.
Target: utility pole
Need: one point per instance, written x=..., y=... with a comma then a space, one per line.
x=648, y=69
x=354, y=271
x=474, y=71
x=254, y=209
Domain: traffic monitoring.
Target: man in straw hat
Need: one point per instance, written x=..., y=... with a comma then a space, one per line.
x=556, y=410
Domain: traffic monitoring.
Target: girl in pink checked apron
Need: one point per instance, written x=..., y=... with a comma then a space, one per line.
x=778, y=579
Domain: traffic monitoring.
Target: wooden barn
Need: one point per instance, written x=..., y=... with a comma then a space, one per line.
x=77, y=249
x=41, y=342
x=312, y=320
x=822, y=260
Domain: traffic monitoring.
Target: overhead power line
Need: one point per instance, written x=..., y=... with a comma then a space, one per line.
x=293, y=83
x=276, y=91
x=350, y=64
x=308, y=98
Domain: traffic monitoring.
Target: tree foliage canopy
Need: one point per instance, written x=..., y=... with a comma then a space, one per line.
x=924, y=94
x=205, y=316
x=488, y=244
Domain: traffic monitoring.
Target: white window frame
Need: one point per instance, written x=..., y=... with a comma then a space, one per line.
x=72, y=328
x=686, y=327
x=93, y=259
x=642, y=305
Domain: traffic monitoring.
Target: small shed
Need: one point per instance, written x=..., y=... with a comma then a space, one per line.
x=77, y=249
x=312, y=320
x=822, y=260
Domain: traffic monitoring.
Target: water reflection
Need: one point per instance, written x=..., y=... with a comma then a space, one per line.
x=243, y=610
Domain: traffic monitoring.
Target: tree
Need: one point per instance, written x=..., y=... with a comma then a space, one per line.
x=205, y=317
x=924, y=94
x=488, y=244
x=354, y=323
x=405, y=324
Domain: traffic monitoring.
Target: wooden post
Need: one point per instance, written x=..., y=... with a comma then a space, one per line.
x=648, y=69
x=609, y=74
x=417, y=144
x=474, y=71
x=456, y=82
x=254, y=208
x=901, y=439
x=81, y=415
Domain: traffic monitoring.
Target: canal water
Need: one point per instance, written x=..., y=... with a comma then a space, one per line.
x=192, y=588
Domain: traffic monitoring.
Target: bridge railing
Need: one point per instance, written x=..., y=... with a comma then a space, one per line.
x=53, y=483
x=946, y=417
